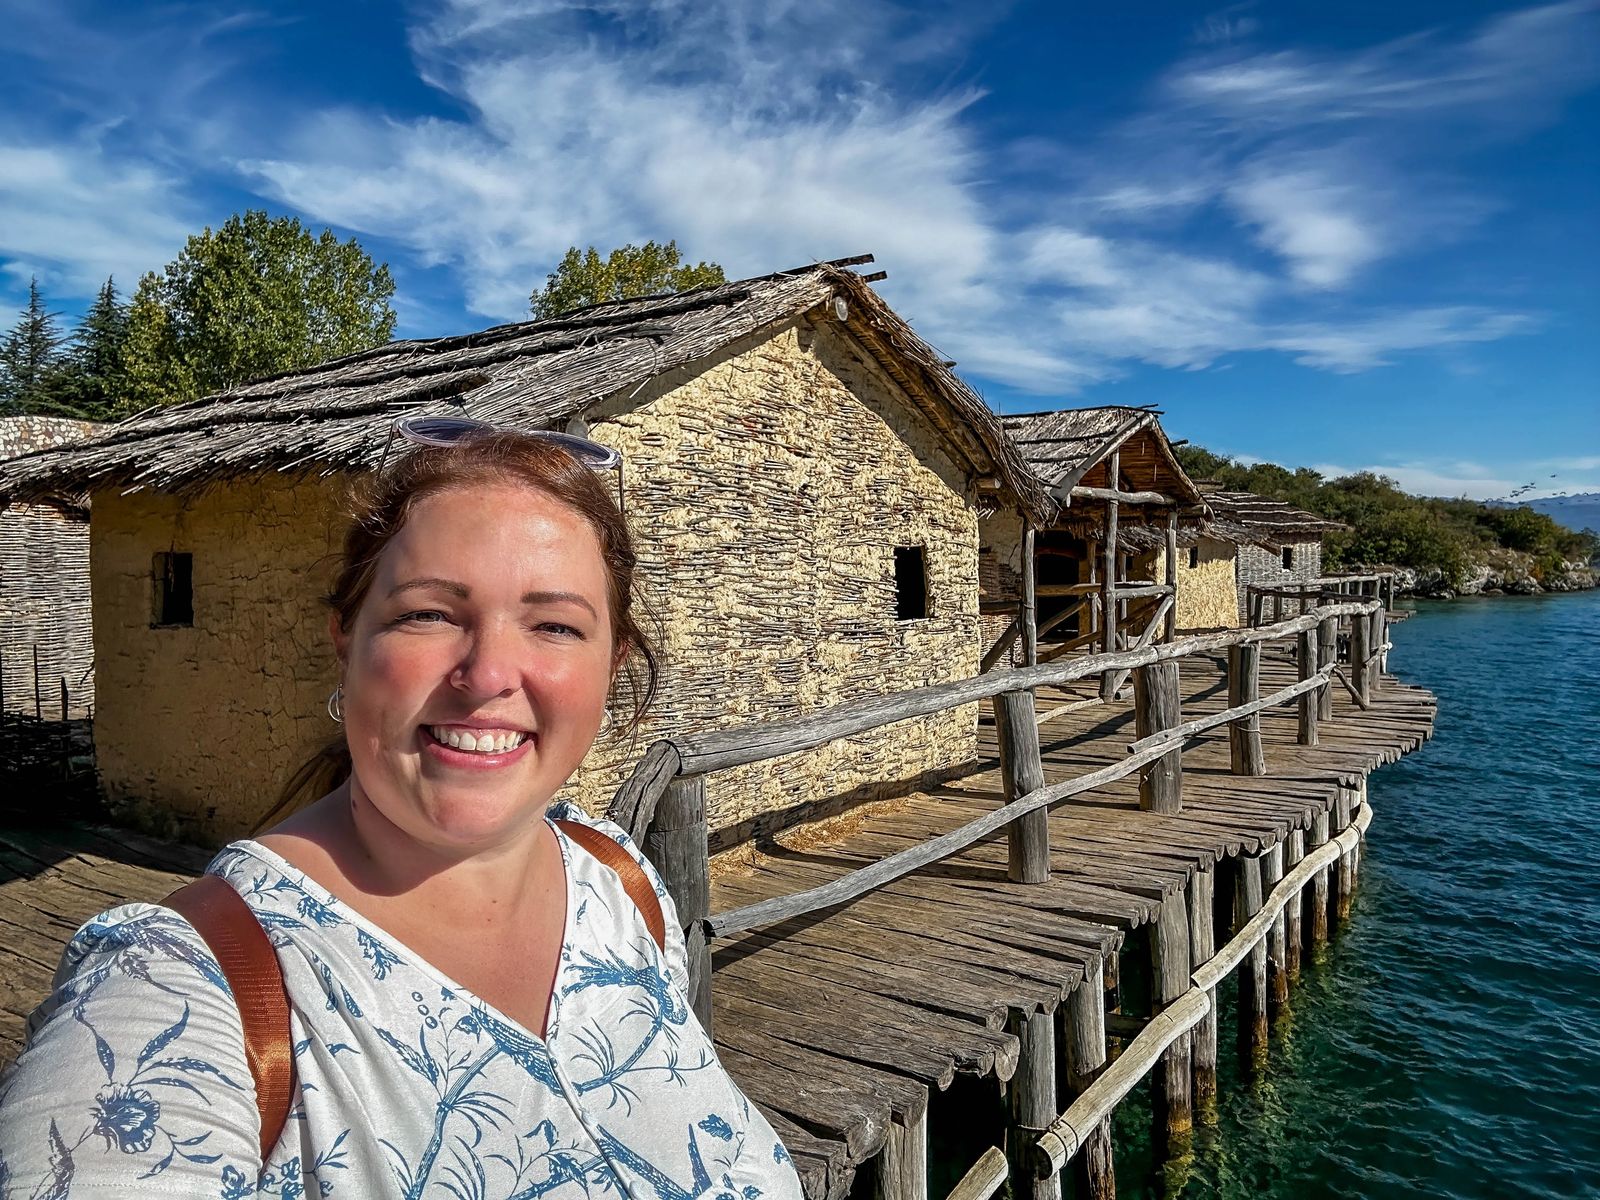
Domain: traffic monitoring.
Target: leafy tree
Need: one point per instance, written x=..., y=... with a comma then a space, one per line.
x=628, y=272
x=30, y=359
x=153, y=371
x=256, y=297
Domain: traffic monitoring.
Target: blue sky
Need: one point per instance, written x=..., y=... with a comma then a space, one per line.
x=1339, y=235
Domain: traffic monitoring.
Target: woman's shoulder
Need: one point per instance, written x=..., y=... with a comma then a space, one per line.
x=567, y=811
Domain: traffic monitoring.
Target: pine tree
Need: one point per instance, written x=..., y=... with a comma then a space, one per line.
x=31, y=359
x=91, y=378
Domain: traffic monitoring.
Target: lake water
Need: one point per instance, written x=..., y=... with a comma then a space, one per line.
x=1449, y=1042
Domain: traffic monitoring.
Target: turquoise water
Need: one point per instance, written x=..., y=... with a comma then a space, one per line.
x=1449, y=1042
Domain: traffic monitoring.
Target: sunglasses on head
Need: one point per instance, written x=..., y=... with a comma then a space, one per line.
x=444, y=432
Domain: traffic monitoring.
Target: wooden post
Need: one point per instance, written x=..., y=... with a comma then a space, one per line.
x=1084, y=1041
x=1155, y=708
x=902, y=1165
x=1294, y=849
x=1202, y=945
x=1319, y=882
x=1108, y=585
x=1277, y=936
x=1244, y=687
x=1306, y=657
x=1172, y=574
x=1380, y=635
x=1032, y=1096
x=1360, y=651
x=1253, y=971
x=1169, y=979
x=676, y=844
x=63, y=699
x=1344, y=878
x=1327, y=652
x=1277, y=606
x=1029, y=616
x=38, y=704
x=1021, y=772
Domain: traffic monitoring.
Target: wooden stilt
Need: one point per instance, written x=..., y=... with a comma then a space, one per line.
x=1344, y=878
x=1155, y=708
x=1319, y=883
x=1202, y=945
x=1294, y=849
x=1021, y=772
x=1084, y=1018
x=1277, y=938
x=1108, y=585
x=1029, y=611
x=676, y=844
x=1306, y=660
x=1172, y=1079
x=1244, y=687
x=901, y=1167
x=1171, y=631
x=1360, y=652
x=1032, y=1096
x=1327, y=652
x=1253, y=971
x=1111, y=977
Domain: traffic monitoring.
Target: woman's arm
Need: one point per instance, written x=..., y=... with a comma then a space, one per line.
x=134, y=1075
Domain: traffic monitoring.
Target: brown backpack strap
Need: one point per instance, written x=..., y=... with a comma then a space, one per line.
x=608, y=851
x=250, y=965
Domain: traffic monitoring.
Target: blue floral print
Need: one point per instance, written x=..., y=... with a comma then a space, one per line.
x=407, y=1084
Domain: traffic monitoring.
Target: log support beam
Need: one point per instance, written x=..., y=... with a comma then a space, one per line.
x=1202, y=945
x=1327, y=655
x=1306, y=660
x=1247, y=899
x=1083, y=1018
x=901, y=1167
x=1156, y=708
x=1294, y=850
x=676, y=844
x=1031, y=1093
x=1171, y=631
x=1320, y=882
x=1244, y=687
x=1170, y=966
x=1108, y=582
x=1277, y=937
x=1021, y=772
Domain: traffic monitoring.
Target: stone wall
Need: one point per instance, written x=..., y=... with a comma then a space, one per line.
x=1260, y=564
x=199, y=727
x=768, y=490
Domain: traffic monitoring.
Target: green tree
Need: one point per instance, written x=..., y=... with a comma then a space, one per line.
x=152, y=370
x=91, y=374
x=628, y=272
x=256, y=297
x=31, y=359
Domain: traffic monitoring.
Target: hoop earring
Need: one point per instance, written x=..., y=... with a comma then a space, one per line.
x=607, y=723
x=336, y=705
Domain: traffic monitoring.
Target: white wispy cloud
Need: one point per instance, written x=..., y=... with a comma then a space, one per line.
x=1471, y=480
x=771, y=135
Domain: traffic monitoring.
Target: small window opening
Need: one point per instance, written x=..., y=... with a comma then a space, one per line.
x=1127, y=566
x=174, y=589
x=1288, y=558
x=1194, y=557
x=910, y=583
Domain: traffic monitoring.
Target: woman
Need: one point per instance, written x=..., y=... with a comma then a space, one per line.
x=478, y=1009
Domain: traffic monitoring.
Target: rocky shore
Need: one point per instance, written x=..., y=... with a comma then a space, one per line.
x=1506, y=573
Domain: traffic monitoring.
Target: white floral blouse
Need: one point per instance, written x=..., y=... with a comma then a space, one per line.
x=134, y=1083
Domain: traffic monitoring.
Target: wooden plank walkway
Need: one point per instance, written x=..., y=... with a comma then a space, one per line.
x=928, y=969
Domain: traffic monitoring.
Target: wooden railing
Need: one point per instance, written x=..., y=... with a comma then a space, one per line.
x=663, y=804
x=1306, y=593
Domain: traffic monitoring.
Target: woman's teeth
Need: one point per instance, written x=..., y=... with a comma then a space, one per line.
x=484, y=741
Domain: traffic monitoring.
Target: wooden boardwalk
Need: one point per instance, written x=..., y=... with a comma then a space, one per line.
x=841, y=1024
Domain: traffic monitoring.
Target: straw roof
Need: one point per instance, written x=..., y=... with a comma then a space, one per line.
x=536, y=374
x=1064, y=446
x=1242, y=518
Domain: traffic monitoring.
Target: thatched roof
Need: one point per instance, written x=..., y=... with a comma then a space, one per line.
x=1242, y=518
x=1071, y=446
x=538, y=374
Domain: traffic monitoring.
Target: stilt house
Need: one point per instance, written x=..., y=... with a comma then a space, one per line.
x=1277, y=542
x=803, y=473
x=46, y=647
x=1068, y=583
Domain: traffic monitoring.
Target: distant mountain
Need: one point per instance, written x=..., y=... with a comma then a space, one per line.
x=1577, y=513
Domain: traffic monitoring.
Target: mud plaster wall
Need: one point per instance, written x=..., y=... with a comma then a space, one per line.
x=1207, y=597
x=198, y=728
x=768, y=490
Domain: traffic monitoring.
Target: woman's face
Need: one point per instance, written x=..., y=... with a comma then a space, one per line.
x=477, y=669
